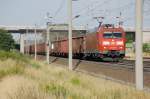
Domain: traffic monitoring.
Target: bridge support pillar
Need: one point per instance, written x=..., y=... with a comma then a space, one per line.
x=22, y=43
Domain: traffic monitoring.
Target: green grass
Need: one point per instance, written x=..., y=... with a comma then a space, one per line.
x=35, y=65
x=56, y=90
x=75, y=81
x=10, y=67
x=12, y=63
x=23, y=78
x=13, y=55
x=11, y=71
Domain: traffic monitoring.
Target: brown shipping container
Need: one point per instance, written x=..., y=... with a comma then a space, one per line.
x=78, y=46
x=62, y=46
x=56, y=47
x=41, y=48
x=91, y=42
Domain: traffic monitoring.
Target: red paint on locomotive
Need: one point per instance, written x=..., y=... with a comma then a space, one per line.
x=111, y=41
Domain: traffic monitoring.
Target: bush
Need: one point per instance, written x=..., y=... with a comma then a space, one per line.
x=146, y=47
x=6, y=41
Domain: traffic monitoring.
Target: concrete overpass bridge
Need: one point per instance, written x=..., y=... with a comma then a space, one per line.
x=54, y=30
x=39, y=29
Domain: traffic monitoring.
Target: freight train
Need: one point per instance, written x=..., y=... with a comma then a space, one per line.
x=107, y=41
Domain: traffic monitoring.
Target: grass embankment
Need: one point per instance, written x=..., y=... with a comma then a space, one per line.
x=23, y=78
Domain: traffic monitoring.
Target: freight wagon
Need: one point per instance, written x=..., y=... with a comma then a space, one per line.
x=60, y=47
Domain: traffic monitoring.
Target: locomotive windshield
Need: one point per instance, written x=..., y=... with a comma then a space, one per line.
x=117, y=35
x=112, y=35
x=107, y=35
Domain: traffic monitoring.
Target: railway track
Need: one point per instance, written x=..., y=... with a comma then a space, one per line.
x=119, y=71
x=127, y=64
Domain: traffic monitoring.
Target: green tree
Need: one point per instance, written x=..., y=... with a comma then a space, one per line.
x=6, y=40
x=146, y=47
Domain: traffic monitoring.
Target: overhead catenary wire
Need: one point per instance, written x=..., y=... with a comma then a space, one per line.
x=108, y=10
x=81, y=13
x=84, y=11
x=60, y=8
x=91, y=12
x=146, y=12
x=123, y=9
x=85, y=8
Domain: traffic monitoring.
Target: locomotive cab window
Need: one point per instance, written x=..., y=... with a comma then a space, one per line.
x=107, y=35
x=112, y=35
x=117, y=35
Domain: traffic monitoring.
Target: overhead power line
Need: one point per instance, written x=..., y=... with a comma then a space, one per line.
x=124, y=7
x=59, y=9
x=87, y=11
x=84, y=10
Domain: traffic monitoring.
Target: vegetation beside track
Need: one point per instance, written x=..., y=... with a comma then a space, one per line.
x=7, y=42
x=23, y=78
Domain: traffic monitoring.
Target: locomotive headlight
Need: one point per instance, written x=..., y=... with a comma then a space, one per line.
x=106, y=43
x=121, y=47
x=120, y=43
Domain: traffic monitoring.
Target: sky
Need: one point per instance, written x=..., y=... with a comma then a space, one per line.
x=31, y=12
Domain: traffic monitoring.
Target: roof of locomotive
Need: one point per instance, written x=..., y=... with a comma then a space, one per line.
x=106, y=26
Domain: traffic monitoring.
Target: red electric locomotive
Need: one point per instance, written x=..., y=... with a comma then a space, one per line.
x=108, y=41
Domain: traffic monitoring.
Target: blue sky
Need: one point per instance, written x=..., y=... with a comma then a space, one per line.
x=30, y=12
